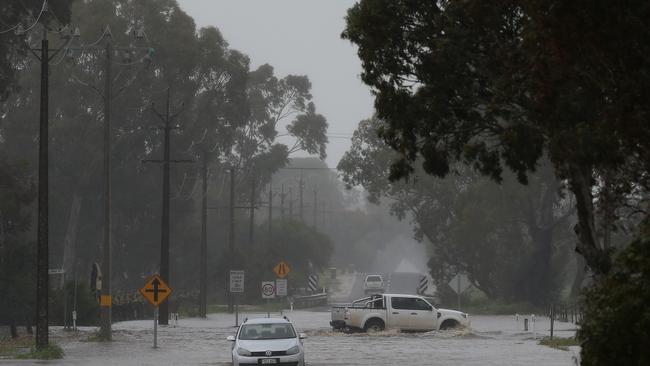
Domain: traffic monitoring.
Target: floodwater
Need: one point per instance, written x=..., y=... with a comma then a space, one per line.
x=492, y=340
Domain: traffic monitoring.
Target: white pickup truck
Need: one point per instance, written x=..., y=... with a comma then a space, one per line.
x=395, y=311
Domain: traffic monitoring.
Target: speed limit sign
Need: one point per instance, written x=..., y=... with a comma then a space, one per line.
x=268, y=290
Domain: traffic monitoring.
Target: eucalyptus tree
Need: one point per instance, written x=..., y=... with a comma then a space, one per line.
x=22, y=14
x=507, y=237
x=503, y=84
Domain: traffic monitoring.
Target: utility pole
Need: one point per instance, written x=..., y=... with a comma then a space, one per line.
x=302, y=188
x=251, y=227
x=164, y=233
x=315, y=206
x=106, y=297
x=163, y=318
x=231, y=232
x=282, y=194
x=42, y=249
x=290, y=204
x=270, y=207
x=203, y=297
x=42, y=234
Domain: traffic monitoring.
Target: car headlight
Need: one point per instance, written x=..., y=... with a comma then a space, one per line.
x=243, y=352
x=464, y=315
x=293, y=350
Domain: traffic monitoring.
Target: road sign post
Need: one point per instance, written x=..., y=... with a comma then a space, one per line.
x=156, y=292
x=268, y=292
x=236, y=286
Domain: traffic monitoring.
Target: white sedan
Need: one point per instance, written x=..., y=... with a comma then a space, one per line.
x=267, y=341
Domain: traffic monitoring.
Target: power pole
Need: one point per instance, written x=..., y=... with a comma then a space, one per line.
x=270, y=207
x=251, y=227
x=290, y=204
x=163, y=318
x=42, y=248
x=203, y=297
x=302, y=188
x=282, y=194
x=315, y=206
x=164, y=227
x=231, y=232
x=106, y=297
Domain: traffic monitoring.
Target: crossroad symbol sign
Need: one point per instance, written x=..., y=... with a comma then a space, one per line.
x=282, y=269
x=268, y=290
x=155, y=290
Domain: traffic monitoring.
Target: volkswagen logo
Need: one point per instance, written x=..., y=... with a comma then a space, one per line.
x=269, y=353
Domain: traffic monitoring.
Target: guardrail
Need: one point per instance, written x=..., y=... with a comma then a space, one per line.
x=308, y=301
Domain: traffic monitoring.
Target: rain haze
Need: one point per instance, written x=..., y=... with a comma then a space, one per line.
x=211, y=182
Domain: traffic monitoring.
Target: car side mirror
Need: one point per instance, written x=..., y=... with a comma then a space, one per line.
x=302, y=336
x=230, y=338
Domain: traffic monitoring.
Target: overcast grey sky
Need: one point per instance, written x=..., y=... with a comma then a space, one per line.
x=298, y=37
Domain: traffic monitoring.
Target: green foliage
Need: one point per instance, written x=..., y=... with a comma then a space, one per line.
x=17, y=275
x=559, y=343
x=502, y=84
x=87, y=305
x=10, y=347
x=616, y=326
x=49, y=352
x=12, y=47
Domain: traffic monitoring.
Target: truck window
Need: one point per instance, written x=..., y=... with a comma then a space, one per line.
x=409, y=303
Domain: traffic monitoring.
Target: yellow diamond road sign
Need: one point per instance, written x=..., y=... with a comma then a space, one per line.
x=282, y=269
x=155, y=290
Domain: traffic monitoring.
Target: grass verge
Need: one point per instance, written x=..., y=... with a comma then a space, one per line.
x=10, y=347
x=559, y=343
x=49, y=352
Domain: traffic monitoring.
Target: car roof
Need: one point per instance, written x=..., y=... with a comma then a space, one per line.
x=266, y=321
x=373, y=275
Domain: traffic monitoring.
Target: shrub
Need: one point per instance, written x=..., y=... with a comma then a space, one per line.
x=616, y=325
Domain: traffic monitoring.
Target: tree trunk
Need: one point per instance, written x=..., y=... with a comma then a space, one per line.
x=580, y=185
x=13, y=329
x=579, y=277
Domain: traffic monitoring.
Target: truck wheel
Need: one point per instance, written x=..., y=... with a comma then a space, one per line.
x=373, y=326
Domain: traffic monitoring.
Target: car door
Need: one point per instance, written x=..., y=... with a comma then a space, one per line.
x=422, y=315
x=399, y=314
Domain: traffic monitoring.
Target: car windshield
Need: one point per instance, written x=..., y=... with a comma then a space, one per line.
x=373, y=278
x=266, y=331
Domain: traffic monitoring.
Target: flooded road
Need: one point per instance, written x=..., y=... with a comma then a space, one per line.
x=493, y=340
